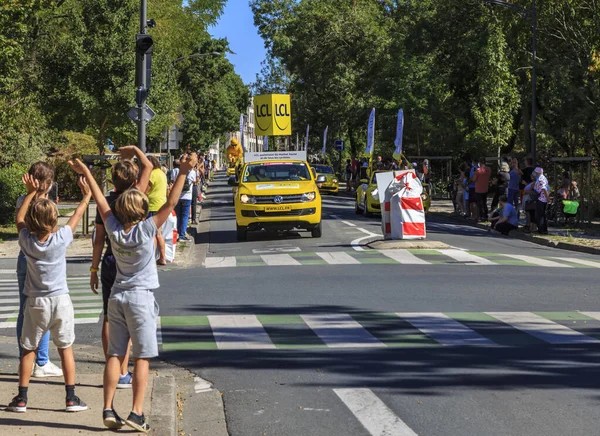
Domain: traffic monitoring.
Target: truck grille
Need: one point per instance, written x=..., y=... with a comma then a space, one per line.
x=269, y=199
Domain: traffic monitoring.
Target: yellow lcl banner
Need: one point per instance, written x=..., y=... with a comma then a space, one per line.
x=273, y=115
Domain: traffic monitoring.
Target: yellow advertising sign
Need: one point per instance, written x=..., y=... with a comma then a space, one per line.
x=273, y=115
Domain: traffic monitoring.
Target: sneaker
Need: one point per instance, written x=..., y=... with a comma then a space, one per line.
x=184, y=238
x=48, y=370
x=112, y=420
x=74, y=404
x=18, y=404
x=138, y=422
x=125, y=381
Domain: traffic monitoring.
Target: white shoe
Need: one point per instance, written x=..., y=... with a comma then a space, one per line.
x=48, y=370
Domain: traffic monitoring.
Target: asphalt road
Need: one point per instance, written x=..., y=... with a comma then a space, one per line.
x=305, y=336
x=312, y=336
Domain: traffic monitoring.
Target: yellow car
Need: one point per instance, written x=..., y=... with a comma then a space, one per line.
x=230, y=171
x=365, y=203
x=327, y=181
x=276, y=195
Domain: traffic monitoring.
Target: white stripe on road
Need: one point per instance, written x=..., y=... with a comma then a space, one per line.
x=158, y=331
x=537, y=261
x=543, y=328
x=445, y=330
x=235, y=332
x=338, y=258
x=16, y=300
x=404, y=256
x=356, y=243
x=339, y=330
x=279, y=259
x=220, y=262
x=75, y=305
x=372, y=413
x=595, y=315
x=12, y=324
x=463, y=256
x=348, y=223
x=579, y=261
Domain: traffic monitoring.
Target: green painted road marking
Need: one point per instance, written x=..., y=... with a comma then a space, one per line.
x=87, y=315
x=180, y=321
x=425, y=251
x=312, y=262
x=189, y=346
x=251, y=264
x=471, y=316
x=280, y=319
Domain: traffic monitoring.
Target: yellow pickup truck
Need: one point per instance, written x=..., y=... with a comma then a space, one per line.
x=276, y=194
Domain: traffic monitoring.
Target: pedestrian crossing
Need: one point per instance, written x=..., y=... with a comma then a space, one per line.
x=377, y=330
x=452, y=256
x=88, y=306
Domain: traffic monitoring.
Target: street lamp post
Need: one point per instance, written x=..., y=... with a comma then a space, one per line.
x=531, y=15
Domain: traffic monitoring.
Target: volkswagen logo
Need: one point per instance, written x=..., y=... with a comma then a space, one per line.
x=278, y=199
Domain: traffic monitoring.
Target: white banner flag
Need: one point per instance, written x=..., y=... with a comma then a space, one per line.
x=324, y=149
x=265, y=143
x=306, y=138
x=399, y=132
x=371, y=133
x=242, y=132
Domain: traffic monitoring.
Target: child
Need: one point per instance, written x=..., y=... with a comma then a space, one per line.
x=132, y=309
x=48, y=305
x=124, y=176
x=44, y=174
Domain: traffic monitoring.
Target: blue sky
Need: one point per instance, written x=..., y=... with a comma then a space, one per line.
x=237, y=25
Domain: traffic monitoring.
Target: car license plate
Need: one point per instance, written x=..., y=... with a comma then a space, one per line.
x=278, y=208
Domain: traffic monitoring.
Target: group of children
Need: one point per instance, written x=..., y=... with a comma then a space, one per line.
x=128, y=276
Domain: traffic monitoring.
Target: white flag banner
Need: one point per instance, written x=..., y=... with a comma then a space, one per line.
x=399, y=132
x=306, y=138
x=324, y=149
x=242, y=132
x=265, y=143
x=371, y=133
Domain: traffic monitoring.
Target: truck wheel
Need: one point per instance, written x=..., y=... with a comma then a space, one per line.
x=367, y=213
x=316, y=231
x=242, y=233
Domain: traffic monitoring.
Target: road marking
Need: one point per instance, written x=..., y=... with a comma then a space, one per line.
x=279, y=259
x=16, y=300
x=579, y=261
x=356, y=243
x=404, y=256
x=221, y=201
x=445, y=330
x=340, y=330
x=372, y=413
x=338, y=258
x=537, y=261
x=158, y=331
x=595, y=315
x=277, y=250
x=235, y=332
x=220, y=262
x=462, y=256
x=348, y=223
x=201, y=385
x=12, y=324
x=543, y=328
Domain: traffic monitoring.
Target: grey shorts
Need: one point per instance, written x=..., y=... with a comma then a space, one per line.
x=54, y=314
x=132, y=315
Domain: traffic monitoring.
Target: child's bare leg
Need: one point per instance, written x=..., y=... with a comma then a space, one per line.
x=111, y=378
x=160, y=243
x=25, y=367
x=105, y=338
x=68, y=365
x=125, y=362
x=140, y=379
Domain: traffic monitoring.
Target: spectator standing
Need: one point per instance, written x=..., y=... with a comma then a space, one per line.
x=348, y=175
x=482, y=185
x=125, y=174
x=196, y=187
x=472, y=197
x=502, y=182
x=157, y=197
x=514, y=184
x=526, y=176
x=44, y=174
x=542, y=190
x=182, y=209
x=507, y=218
x=460, y=192
x=355, y=175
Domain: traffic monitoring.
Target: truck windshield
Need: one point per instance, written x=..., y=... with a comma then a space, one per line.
x=276, y=172
x=322, y=169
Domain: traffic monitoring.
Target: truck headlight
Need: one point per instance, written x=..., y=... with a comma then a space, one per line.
x=334, y=180
x=321, y=179
x=247, y=199
x=309, y=196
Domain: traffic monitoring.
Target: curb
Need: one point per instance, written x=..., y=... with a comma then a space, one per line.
x=524, y=237
x=164, y=406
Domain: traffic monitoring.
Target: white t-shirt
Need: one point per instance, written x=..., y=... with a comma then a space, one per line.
x=46, y=262
x=185, y=195
x=135, y=255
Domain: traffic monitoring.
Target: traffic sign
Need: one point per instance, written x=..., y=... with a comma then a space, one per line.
x=339, y=145
x=134, y=114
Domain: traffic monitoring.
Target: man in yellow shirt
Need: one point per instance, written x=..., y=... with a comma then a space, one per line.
x=157, y=196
